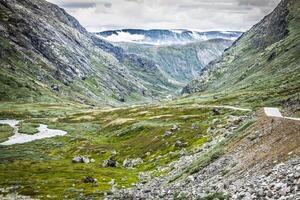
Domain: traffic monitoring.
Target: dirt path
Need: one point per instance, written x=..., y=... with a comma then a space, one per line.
x=275, y=112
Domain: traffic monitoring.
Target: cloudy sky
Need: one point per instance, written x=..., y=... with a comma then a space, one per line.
x=201, y=15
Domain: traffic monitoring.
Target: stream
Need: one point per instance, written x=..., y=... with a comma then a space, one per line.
x=19, y=138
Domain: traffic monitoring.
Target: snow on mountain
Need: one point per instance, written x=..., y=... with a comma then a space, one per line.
x=165, y=37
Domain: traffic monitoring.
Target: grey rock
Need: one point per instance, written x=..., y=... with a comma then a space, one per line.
x=80, y=159
x=129, y=163
x=109, y=163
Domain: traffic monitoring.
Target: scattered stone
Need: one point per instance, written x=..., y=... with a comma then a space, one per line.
x=216, y=111
x=129, y=163
x=195, y=127
x=175, y=128
x=168, y=134
x=183, y=152
x=234, y=119
x=113, y=152
x=109, y=163
x=215, y=121
x=179, y=144
x=80, y=159
x=55, y=87
x=89, y=179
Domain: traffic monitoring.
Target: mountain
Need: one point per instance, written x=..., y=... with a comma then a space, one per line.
x=262, y=64
x=220, y=141
x=46, y=55
x=180, y=62
x=165, y=37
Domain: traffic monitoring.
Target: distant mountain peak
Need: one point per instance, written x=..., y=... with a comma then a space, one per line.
x=165, y=36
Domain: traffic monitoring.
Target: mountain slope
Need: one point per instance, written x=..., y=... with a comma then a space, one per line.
x=182, y=62
x=46, y=55
x=263, y=64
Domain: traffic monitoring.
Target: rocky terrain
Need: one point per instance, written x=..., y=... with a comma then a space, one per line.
x=182, y=62
x=226, y=138
x=47, y=55
x=265, y=58
x=262, y=164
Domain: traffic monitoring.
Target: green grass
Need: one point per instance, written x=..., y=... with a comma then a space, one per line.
x=214, y=153
x=44, y=167
x=5, y=132
x=28, y=128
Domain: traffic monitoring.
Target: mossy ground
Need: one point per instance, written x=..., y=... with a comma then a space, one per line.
x=5, y=132
x=28, y=128
x=44, y=167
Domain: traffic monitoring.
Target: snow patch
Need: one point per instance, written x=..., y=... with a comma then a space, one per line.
x=125, y=37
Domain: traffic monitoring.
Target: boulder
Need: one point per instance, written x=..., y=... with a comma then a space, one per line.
x=89, y=179
x=80, y=159
x=55, y=87
x=216, y=111
x=167, y=133
x=179, y=144
x=109, y=163
x=175, y=128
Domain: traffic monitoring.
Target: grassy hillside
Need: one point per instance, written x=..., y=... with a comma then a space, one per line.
x=263, y=65
x=47, y=56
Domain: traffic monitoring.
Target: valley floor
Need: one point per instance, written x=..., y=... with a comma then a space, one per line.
x=193, y=147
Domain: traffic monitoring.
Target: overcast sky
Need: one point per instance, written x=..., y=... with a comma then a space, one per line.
x=201, y=15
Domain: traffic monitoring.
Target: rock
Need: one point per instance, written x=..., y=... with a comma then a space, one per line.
x=175, y=128
x=109, y=163
x=216, y=111
x=85, y=160
x=113, y=152
x=278, y=186
x=179, y=144
x=195, y=127
x=77, y=159
x=144, y=176
x=183, y=152
x=234, y=119
x=89, y=179
x=55, y=87
x=112, y=182
x=167, y=133
x=215, y=121
x=191, y=178
x=80, y=159
x=129, y=163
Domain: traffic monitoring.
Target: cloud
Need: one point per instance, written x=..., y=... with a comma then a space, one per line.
x=82, y=5
x=174, y=14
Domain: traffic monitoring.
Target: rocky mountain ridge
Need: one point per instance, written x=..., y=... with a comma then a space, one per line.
x=262, y=59
x=45, y=49
x=165, y=37
x=180, y=62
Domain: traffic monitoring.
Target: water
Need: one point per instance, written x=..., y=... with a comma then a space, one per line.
x=19, y=138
